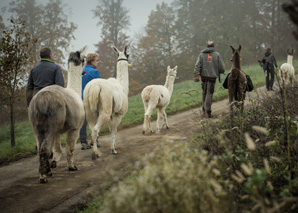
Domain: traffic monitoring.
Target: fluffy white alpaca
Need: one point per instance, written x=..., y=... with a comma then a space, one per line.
x=158, y=96
x=106, y=102
x=287, y=71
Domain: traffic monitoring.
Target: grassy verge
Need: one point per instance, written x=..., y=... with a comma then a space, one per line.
x=186, y=95
x=223, y=168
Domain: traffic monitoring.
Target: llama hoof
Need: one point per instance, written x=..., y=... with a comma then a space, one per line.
x=74, y=168
x=168, y=127
x=49, y=174
x=43, y=180
x=114, y=152
x=143, y=132
x=95, y=156
x=53, y=164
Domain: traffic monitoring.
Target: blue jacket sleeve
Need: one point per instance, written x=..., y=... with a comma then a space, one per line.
x=95, y=74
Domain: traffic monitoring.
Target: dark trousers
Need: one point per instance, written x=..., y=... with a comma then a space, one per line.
x=208, y=90
x=269, y=79
x=83, y=133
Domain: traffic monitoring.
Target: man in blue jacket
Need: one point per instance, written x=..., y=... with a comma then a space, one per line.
x=89, y=72
x=208, y=67
x=46, y=73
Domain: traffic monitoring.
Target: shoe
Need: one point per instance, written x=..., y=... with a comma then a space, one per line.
x=85, y=146
x=209, y=114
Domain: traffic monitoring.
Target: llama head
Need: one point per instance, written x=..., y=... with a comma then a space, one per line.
x=291, y=53
x=172, y=72
x=78, y=57
x=236, y=53
x=122, y=55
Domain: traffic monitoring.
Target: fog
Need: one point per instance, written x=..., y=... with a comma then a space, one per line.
x=88, y=32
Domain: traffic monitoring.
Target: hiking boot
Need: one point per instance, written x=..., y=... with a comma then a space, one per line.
x=85, y=146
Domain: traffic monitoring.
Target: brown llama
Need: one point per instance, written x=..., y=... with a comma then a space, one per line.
x=237, y=82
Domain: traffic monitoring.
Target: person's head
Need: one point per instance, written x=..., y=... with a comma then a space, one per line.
x=268, y=50
x=92, y=59
x=210, y=44
x=46, y=53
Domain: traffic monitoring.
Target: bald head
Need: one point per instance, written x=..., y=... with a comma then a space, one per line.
x=210, y=44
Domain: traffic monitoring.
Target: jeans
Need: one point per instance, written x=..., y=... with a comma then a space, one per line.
x=208, y=90
x=269, y=81
x=83, y=133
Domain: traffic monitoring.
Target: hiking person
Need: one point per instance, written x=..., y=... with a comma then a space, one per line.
x=208, y=67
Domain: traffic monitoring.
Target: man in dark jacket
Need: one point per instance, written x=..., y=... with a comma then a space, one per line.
x=46, y=73
x=269, y=62
x=208, y=67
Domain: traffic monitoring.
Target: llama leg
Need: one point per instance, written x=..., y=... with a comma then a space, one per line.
x=103, y=118
x=165, y=117
x=94, y=134
x=146, y=118
x=45, y=148
x=57, y=152
x=72, y=137
x=159, y=114
x=115, y=123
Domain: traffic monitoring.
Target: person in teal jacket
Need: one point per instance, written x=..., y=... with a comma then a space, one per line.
x=89, y=73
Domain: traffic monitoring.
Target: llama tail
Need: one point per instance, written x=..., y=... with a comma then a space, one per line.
x=93, y=97
x=47, y=110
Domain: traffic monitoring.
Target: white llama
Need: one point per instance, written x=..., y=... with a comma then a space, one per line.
x=158, y=96
x=55, y=110
x=287, y=71
x=106, y=102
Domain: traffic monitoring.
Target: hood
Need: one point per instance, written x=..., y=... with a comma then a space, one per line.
x=208, y=50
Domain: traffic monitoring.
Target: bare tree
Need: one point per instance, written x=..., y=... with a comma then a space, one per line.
x=15, y=53
x=114, y=22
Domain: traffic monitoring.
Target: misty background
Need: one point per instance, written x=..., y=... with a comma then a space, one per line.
x=79, y=12
x=159, y=33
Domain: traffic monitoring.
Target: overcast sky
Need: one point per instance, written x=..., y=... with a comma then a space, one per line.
x=87, y=31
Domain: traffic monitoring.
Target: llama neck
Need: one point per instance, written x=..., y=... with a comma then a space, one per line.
x=236, y=63
x=290, y=59
x=122, y=75
x=170, y=83
x=74, y=78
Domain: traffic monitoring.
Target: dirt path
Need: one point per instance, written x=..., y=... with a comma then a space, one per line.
x=20, y=190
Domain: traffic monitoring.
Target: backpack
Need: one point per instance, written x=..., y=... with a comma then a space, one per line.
x=249, y=84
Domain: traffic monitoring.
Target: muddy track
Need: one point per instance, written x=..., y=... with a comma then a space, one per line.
x=20, y=190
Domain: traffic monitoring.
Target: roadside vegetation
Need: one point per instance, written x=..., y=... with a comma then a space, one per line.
x=250, y=166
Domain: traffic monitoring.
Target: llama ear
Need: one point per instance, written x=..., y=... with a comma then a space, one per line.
x=176, y=68
x=293, y=51
x=232, y=48
x=116, y=50
x=125, y=48
x=83, y=50
x=168, y=68
x=239, y=47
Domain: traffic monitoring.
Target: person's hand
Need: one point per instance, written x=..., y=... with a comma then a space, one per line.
x=197, y=78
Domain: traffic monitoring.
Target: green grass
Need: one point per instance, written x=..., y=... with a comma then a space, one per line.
x=185, y=95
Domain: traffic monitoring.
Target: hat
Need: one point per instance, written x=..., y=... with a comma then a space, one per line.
x=210, y=44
